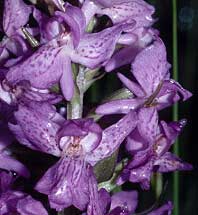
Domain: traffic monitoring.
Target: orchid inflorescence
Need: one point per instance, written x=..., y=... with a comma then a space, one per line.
x=45, y=70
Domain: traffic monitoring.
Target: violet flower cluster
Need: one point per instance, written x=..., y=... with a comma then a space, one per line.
x=49, y=57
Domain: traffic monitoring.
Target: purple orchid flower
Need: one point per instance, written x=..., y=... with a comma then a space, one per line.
x=24, y=92
x=149, y=144
x=154, y=87
x=121, y=203
x=14, y=41
x=124, y=202
x=51, y=63
x=11, y=10
x=101, y=203
x=79, y=143
x=6, y=161
x=120, y=10
x=17, y=202
x=140, y=38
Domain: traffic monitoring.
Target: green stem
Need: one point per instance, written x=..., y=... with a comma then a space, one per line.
x=110, y=185
x=159, y=185
x=175, y=108
x=75, y=106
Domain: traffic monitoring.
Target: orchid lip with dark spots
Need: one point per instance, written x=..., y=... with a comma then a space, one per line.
x=79, y=143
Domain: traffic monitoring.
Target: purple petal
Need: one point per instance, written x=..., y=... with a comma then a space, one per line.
x=24, y=93
x=172, y=130
x=104, y=200
x=150, y=67
x=37, y=67
x=95, y=49
x=166, y=136
x=6, y=137
x=118, y=211
x=86, y=132
x=4, y=55
x=66, y=184
x=132, y=86
x=43, y=69
x=169, y=163
x=104, y=3
x=139, y=170
x=66, y=81
x=122, y=57
x=142, y=175
x=148, y=123
x=89, y=8
x=98, y=201
x=140, y=158
x=123, y=177
x=48, y=28
x=35, y=128
x=127, y=39
x=141, y=39
x=75, y=19
x=6, y=181
x=120, y=106
x=20, y=136
x=177, y=127
x=127, y=200
x=13, y=9
x=135, y=142
x=123, y=10
x=12, y=62
x=29, y=206
x=10, y=164
x=33, y=94
x=170, y=93
x=5, y=96
x=17, y=45
x=77, y=15
x=164, y=210
x=78, y=127
x=112, y=137
x=9, y=200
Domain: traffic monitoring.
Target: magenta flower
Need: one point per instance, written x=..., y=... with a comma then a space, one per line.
x=121, y=203
x=16, y=202
x=135, y=39
x=149, y=145
x=6, y=161
x=79, y=143
x=154, y=87
x=23, y=92
x=51, y=63
x=101, y=203
x=120, y=11
x=14, y=42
